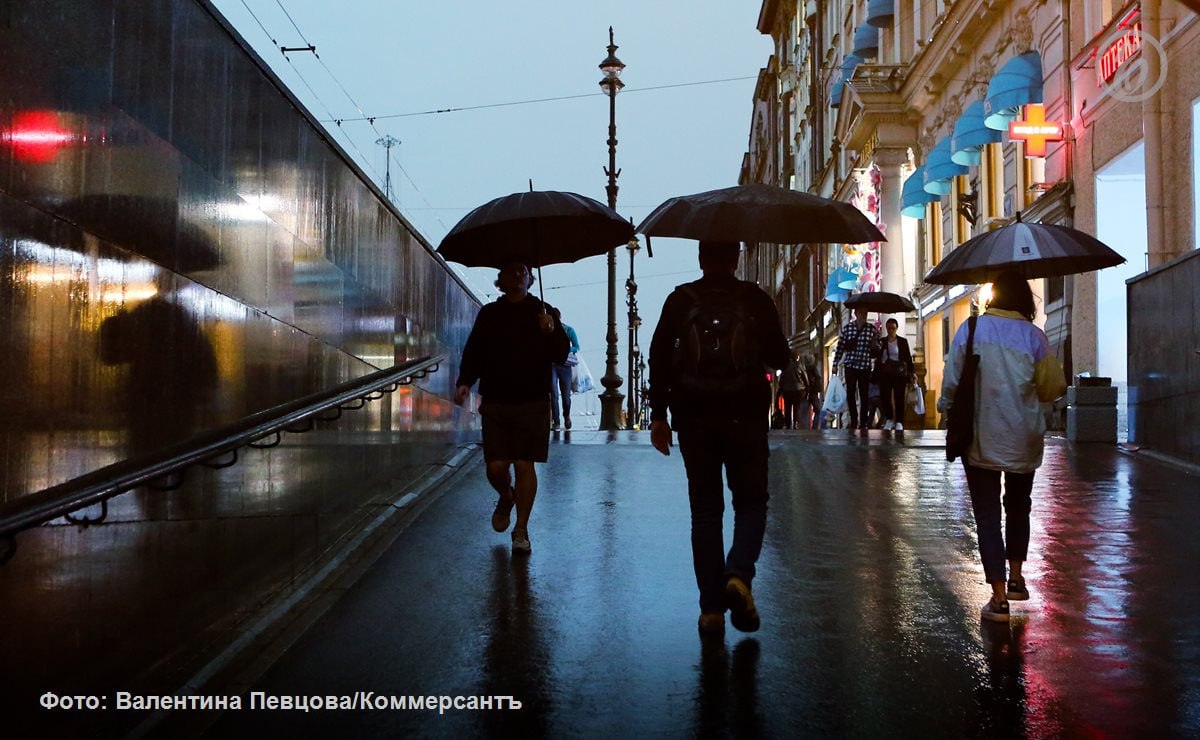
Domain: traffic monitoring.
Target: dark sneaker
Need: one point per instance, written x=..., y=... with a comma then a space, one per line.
x=500, y=517
x=555, y=427
x=1017, y=591
x=742, y=614
x=520, y=539
x=567, y=423
x=712, y=623
x=994, y=612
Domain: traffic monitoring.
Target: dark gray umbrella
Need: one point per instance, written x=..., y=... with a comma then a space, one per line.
x=760, y=213
x=542, y=227
x=1034, y=250
x=881, y=302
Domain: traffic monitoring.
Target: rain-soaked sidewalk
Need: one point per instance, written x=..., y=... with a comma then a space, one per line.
x=869, y=588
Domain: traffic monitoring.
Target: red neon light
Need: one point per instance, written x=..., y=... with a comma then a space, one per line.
x=1035, y=130
x=36, y=136
x=1119, y=52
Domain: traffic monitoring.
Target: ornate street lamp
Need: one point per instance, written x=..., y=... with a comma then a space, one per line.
x=610, y=399
x=633, y=408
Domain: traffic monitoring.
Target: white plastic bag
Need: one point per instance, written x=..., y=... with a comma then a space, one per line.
x=581, y=378
x=835, y=396
x=918, y=404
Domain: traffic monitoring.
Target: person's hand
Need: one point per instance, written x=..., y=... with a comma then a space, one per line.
x=660, y=436
x=546, y=323
x=461, y=393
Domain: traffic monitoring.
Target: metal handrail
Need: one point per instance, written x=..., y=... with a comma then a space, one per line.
x=100, y=485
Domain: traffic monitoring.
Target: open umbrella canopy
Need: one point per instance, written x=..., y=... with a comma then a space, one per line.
x=881, y=302
x=541, y=227
x=1035, y=250
x=760, y=213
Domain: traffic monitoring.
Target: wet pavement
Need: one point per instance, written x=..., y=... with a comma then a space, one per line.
x=869, y=588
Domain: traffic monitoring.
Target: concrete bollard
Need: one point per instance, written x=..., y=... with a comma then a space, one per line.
x=1092, y=410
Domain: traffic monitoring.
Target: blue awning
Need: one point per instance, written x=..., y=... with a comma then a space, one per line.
x=940, y=169
x=881, y=13
x=971, y=136
x=1019, y=82
x=866, y=41
x=913, y=196
x=848, y=65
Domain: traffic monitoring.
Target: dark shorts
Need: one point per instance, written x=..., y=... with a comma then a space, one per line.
x=516, y=431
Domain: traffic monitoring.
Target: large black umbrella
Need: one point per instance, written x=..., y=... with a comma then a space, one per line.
x=760, y=213
x=881, y=302
x=1035, y=250
x=539, y=228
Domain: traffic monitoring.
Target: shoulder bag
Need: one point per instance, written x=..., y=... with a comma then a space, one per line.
x=960, y=423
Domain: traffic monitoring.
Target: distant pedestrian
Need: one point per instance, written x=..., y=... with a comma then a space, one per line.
x=811, y=408
x=793, y=389
x=560, y=382
x=1017, y=374
x=856, y=354
x=717, y=339
x=896, y=371
x=511, y=347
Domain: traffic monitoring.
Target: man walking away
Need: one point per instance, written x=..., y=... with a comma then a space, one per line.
x=715, y=342
x=793, y=386
x=857, y=345
x=510, y=350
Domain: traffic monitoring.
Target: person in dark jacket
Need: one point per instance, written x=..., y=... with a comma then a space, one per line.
x=510, y=350
x=896, y=371
x=725, y=428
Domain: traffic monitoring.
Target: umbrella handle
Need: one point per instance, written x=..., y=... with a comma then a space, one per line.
x=541, y=291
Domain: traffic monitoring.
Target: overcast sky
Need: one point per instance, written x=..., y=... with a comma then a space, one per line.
x=397, y=58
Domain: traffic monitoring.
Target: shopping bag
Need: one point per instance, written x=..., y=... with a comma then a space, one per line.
x=835, y=396
x=916, y=399
x=960, y=420
x=581, y=378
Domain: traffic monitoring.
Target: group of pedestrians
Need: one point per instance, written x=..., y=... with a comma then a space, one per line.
x=717, y=343
x=866, y=359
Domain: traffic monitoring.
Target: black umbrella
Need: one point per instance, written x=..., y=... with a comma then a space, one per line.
x=881, y=302
x=539, y=228
x=1035, y=250
x=760, y=213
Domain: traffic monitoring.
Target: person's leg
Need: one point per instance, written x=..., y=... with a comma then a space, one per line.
x=525, y=489
x=554, y=395
x=805, y=410
x=498, y=475
x=564, y=388
x=899, y=388
x=746, y=466
x=885, y=398
x=852, y=395
x=984, y=486
x=702, y=460
x=1017, y=505
x=862, y=379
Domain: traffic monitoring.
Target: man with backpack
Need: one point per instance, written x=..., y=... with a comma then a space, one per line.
x=715, y=344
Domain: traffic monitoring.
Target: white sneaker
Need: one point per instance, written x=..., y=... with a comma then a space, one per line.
x=520, y=542
x=899, y=427
x=888, y=426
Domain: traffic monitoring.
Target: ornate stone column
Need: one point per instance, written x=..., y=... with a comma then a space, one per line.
x=891, y=253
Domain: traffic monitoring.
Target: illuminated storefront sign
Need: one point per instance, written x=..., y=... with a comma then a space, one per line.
x=1119, y=50
x=1035, y=130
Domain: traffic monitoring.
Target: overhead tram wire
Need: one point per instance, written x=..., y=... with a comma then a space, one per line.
x=312, y=47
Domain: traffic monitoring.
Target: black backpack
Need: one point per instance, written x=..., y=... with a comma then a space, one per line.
x=716, y=351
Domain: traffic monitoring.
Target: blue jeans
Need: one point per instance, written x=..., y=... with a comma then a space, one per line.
x=560, y=386
x=985, y=501
x=740, y=447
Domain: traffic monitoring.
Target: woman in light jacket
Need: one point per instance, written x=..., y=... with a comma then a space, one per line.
x=1017, y=374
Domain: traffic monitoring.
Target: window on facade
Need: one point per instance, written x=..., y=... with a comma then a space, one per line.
x=1098, y=13
x=962, y=227
x=933, y=234
x=992, y=178
x=1056, y=288
x=946, y=333
x=1028, y=178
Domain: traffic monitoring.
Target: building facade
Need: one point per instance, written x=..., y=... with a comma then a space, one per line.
x=905, y=106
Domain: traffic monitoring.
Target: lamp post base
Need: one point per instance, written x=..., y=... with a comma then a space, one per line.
x=610, y=410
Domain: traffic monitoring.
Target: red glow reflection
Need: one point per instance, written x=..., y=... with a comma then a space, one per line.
x=36, y=136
